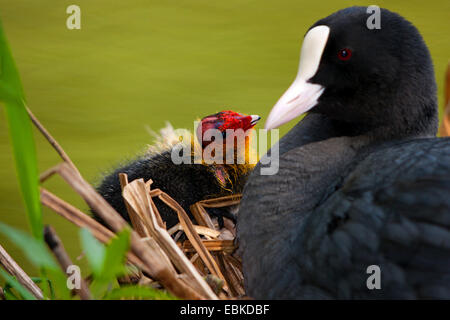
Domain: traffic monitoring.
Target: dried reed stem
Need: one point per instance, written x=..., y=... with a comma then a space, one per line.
x=201, y=216
x=221, y=202
x=82, y=220
x=48, y=173
x=201, y=230
x=52, y=141
x=15, y=270
x=75, y=216
x=135, y=219
x=211, y=245
x=444, y=130
x=227, y=275
x=56, y=246
x=137, y=197
x=192, y=235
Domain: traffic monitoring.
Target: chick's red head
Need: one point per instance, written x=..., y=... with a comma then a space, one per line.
x=224, y=120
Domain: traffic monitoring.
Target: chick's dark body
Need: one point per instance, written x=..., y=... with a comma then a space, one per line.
x=186, y=183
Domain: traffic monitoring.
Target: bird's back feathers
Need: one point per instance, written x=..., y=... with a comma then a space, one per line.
x=392, y=210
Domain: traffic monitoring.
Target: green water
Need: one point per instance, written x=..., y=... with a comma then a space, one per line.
x=138, y=63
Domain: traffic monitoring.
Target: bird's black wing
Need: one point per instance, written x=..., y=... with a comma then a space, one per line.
x=316, y=239
x=393, y=211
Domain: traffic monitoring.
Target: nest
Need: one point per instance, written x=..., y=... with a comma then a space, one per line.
x=190, y=261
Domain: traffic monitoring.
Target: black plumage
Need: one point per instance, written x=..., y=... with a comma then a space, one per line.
x=186, y=183
x=390, y=209
x=361, y=179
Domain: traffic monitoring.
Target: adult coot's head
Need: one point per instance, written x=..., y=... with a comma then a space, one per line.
x=374, y=80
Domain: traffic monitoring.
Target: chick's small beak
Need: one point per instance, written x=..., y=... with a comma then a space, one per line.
x=255, y=119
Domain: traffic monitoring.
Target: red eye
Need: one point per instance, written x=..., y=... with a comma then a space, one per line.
x=344, y=54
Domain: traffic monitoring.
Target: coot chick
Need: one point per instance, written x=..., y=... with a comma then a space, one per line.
x=190, y=182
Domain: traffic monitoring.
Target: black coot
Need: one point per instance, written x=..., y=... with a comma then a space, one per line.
x=362, y=179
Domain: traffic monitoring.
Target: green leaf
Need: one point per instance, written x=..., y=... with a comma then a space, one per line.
x=138, y=292
x=115, y=258
x=34, y=249
x=9, y=295
x=38, y=254
x=107, y=262
x=47, y=282
x=16, y=285
x=10, y=84
x=11, y=93
x=57, y=281
x=94, y=250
